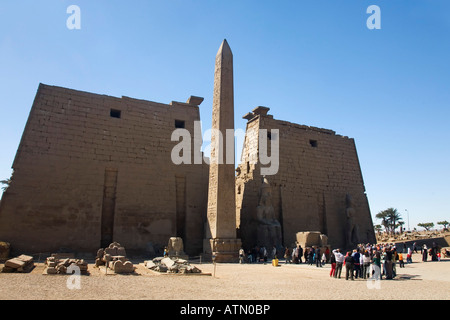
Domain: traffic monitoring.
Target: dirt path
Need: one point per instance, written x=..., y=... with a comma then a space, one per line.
x=429, y=280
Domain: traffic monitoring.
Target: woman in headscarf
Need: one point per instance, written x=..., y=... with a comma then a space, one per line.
x=424, y=253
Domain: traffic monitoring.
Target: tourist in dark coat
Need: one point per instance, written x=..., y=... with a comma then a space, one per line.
x=300, y=254
x=388, y=263
x=424, y=253
x=348, y=265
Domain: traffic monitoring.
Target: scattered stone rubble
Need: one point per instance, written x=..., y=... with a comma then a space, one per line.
x=57, y=264
x=168, y=265
x=22, y=263
x=114, y=258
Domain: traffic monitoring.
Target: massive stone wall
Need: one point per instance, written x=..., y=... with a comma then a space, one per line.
x=317, y=169
x=93, y=168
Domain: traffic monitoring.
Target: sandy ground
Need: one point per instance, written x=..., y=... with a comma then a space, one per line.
x=417, y=281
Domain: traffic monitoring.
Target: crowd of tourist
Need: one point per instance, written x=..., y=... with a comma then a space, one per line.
x=258, y=254
x=367, y=261
x=377, y=261
x=296, y=255
x=374, y=261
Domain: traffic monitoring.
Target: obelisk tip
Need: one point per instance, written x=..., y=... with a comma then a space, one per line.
x=224, y=48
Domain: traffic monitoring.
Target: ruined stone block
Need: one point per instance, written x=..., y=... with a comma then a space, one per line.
x=111, y=251
x=51, y=270
x=14, y=263
x=59, y=255
x=123, y=267
x=150, y=264
x=121, y=252
x=167, y=262
x=51, y=263
x=308, y=238
x=61, y=268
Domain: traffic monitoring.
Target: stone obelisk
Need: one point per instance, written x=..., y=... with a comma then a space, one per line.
x=221, y=241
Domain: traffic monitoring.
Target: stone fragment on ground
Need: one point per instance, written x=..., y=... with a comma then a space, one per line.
x=114, y=258
x=22, y=263
x=62, y=265
x=168, y=265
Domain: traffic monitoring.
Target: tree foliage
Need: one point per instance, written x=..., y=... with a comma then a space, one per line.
x=444, y=223
x=426, y=225
x=377, y=227
x=390, y=219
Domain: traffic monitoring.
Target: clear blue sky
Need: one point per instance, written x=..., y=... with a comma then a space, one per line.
x=311, y=62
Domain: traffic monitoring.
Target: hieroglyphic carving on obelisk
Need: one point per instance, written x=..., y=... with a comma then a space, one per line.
x=221, y=238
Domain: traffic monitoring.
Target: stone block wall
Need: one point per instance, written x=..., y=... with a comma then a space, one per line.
x=317, y=168
x=92, y=167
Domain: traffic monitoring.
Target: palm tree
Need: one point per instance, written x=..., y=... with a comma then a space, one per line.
x=377, y=228
x=390, y=218
x=394, y=218
x=384, y=221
